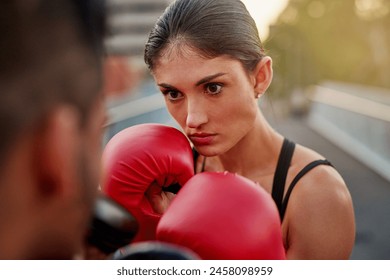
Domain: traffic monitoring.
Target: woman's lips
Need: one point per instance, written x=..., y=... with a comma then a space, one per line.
x=201, y=139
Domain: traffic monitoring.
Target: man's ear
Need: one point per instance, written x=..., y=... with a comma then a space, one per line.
x=262, y=75
x=57, y=152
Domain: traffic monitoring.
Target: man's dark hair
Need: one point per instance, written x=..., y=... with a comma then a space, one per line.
x=50, y=54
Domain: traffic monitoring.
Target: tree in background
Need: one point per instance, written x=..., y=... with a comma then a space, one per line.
x=343, y=40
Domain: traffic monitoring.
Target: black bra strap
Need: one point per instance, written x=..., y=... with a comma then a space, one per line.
x=196, y=155
x=305, y=170
x=281, y=172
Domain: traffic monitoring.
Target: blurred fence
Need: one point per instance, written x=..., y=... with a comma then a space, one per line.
x=145, y=109
x=355, y=118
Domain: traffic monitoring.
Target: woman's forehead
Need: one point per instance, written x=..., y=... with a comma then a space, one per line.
x=181, y=71
x=180, y=49
x=184, y=54
x=191, y=64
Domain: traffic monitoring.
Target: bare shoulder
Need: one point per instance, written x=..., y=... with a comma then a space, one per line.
x=322, y=174
x=319, y=220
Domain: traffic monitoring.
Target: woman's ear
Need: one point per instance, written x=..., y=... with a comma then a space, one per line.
x=262, y=75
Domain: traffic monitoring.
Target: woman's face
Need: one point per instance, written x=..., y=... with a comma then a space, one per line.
x=213, y=100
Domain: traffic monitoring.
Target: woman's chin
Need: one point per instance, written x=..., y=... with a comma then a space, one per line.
x=207, y=151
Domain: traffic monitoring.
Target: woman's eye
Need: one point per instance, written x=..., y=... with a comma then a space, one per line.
x=213, y=88
x=173, y=95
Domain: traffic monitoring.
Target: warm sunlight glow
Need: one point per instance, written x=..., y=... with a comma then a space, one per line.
x=265, y=12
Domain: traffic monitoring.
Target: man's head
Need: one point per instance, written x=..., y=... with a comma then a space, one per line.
x=51, y=116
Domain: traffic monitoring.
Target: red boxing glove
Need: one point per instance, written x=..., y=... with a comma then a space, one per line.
x=138, y=163
x=222, y=216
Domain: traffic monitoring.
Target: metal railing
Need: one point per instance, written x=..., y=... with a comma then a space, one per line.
x=147, y=109
x=357, y=124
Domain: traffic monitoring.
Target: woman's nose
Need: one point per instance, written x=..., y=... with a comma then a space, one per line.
x=196, y=114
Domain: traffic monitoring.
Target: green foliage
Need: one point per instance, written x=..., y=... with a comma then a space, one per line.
x=346, y=40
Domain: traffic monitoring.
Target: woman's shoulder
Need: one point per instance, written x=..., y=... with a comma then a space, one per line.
x=322, y=178
x=320, y=207
x=321, y=194
x=321, y=190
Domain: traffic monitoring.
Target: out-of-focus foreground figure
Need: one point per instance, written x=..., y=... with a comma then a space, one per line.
x=51, y=116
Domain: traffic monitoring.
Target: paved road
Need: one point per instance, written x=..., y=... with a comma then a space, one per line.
x=370, y=192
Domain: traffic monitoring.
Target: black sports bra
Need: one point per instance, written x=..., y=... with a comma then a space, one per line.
x=280, y=176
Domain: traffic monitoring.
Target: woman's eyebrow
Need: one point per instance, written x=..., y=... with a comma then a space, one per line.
x=209, y=78
x=164, y=85
x=200, y=82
